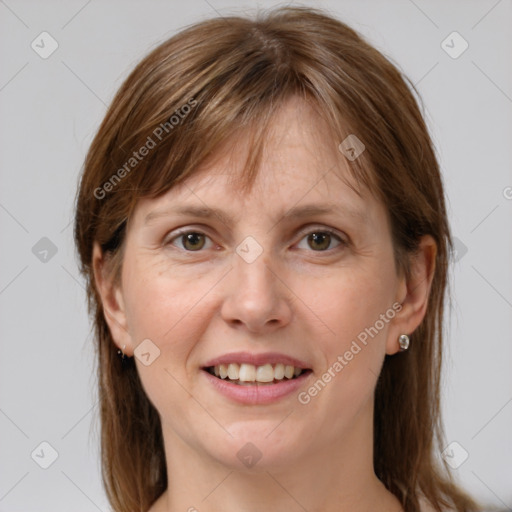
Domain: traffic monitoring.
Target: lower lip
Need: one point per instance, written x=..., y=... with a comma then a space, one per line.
x=256, y=394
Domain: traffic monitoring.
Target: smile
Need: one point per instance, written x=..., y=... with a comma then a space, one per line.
x=245, y=374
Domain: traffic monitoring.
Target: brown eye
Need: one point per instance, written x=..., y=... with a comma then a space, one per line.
x=320, y=241
x=190, y=241
x=193, y=241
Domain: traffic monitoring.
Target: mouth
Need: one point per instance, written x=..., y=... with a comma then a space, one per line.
x=245, y=374
x=250, y=378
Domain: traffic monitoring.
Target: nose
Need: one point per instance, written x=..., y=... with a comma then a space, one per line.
x=256, y=297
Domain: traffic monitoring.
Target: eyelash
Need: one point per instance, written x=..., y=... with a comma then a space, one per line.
x=342, y=242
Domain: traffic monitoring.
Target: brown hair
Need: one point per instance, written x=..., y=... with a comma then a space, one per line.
x=231, y=73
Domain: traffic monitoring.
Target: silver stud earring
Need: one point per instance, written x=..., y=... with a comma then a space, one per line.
x=403, y=341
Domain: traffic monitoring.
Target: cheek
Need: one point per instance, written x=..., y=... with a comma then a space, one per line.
x=162, y=302
x=347, y=303
x=167, y=307
x=350, y=308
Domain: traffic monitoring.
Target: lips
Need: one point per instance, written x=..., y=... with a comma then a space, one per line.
x=256, y=378
x=272, y=358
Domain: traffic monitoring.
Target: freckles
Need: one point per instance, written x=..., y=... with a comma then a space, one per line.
x=171, y=308
x=336, y=299
x=349, y=308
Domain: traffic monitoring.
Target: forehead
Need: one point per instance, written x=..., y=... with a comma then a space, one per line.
x=299, y=146
x=301, y=164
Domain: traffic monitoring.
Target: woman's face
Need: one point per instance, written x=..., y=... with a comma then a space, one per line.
x=267, y=280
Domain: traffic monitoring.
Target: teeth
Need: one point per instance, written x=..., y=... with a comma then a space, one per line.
x=279, y=371
x=265, y=373
x=248, y=373
x=233, y=371
x=223, y=370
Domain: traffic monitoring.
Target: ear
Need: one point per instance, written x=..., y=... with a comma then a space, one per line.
x=112, y=302
x=413, y=293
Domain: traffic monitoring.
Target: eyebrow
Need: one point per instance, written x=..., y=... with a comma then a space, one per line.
x=296, y=212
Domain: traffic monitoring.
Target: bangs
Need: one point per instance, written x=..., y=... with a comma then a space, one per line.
x=205, y=138
x=185, y=129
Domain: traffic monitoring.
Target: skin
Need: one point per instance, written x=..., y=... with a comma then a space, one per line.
x=295, y=298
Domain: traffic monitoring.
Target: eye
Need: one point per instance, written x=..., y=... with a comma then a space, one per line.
x=320, y=239
x=192, y=241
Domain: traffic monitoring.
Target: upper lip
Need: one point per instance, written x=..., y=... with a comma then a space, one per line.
x=257, y=359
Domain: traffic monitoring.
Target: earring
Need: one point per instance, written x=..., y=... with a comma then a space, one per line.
x=122, y=355
x=403, y=341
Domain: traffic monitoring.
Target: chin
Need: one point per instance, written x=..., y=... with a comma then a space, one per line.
x=259, y=446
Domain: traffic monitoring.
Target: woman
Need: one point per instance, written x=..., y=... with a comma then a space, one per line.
x=262, y=226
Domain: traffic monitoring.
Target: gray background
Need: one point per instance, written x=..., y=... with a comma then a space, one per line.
x=49, y=111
